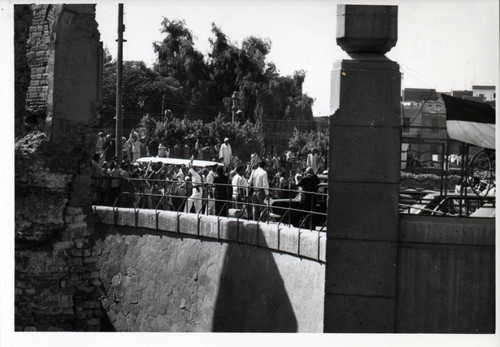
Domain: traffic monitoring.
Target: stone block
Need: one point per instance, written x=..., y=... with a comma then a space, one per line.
x=65, y=301
x=75, y=218
x=364, y=154
x=228, y=229
x=289, y=240
x=76, y=252
x=361, y=268
x=90, y=260
x=363, y=211
x=367, y=93
x=189, y=223
x=248, y=232
x=268, y=236
x=62, y=245
x=358, y=314
x=146, y=219
x=74, y=210
x=208, y=226
x=79, y=243
x=309, y=246
x=367, y=29
x=447, y=230
x=126, y=217
x=167, y=221
x=322, y=246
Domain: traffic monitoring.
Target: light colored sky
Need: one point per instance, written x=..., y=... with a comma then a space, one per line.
x=442, y=44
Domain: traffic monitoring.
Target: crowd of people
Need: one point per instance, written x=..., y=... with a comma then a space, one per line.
x=233, y=186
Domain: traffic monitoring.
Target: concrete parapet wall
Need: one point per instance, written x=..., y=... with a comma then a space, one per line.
x=303, y=243
x=164, y=271
x=446, y=275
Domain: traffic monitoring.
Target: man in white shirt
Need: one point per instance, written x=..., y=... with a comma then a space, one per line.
x=240, y=187
x=312, y=160
x=260, y=184
x=197, y=195
x=226, y=153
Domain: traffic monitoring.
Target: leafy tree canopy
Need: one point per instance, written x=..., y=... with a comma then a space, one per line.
x=202, y=86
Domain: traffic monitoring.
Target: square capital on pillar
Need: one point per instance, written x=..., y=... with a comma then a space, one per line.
x=367, y=28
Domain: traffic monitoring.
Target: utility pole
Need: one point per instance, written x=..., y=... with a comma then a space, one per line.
x=163, y=106
x=119, y=108
x=235, y=99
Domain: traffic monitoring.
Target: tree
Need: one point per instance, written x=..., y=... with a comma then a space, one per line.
x=142, y=91
x=245, y=138
x=178, y=60
x=194, y=85
x=304, y=142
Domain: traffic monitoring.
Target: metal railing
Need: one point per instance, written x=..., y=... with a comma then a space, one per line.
x=298, y=208
x=452, y=204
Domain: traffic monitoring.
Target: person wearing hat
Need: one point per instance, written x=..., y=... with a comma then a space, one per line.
x=226, y=153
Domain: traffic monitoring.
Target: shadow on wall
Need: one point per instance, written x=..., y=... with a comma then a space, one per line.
x=252, y=296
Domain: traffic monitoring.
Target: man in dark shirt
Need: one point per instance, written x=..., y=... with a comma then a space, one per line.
x=309, y=184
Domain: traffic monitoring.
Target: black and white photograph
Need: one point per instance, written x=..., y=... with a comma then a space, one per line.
x=230, y=172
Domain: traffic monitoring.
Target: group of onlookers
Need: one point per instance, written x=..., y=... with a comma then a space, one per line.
x=241, y=186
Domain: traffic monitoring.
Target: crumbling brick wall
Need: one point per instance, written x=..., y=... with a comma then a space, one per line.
x=57, y=285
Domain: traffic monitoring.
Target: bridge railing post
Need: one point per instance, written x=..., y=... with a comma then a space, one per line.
x=363, y=177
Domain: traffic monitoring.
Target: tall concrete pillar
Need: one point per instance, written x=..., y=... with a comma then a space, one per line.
x=360, y=283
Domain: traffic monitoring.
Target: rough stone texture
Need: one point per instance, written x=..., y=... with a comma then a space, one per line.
x=55, y=276
x=164, y=281
x=38, y=46
x=23, y=16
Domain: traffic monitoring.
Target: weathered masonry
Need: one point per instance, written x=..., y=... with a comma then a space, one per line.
x=58, y=67
x=163, y=271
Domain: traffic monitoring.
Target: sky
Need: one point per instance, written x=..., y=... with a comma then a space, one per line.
x=442, y=44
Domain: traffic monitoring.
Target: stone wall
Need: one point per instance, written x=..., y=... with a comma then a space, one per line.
x=38, y=53
x=55, y=275
x=22, y=23
x=157, y=279
x=446, y=275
